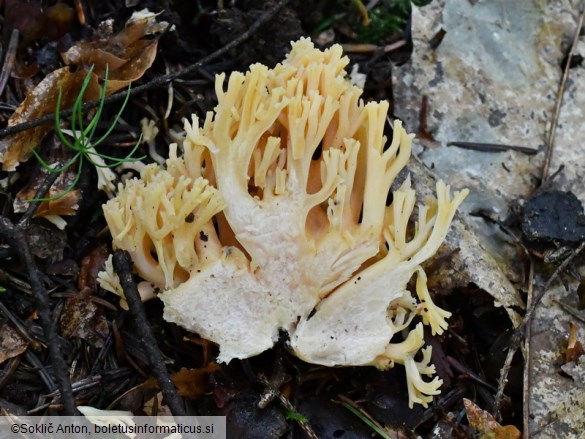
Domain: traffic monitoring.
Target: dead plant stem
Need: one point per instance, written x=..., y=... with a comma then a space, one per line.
x=553, y=127
x=526, y=375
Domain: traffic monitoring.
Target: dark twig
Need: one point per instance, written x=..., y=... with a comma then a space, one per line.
x=493, y=147
x=17, y=238
x=123, y=267
x=159, y=81
x=33, y=205
x=520, y=331
x=285, y=402
x=437, y=39
x=46, y=377
x=470, y=374
x=550, y=140
x=94, y=380
x=17, y=325
x=9, y=58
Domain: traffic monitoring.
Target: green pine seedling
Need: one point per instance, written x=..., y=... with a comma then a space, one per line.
x=79, y=139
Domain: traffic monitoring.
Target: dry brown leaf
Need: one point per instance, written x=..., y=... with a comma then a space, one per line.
x=92, y=54
x=133, y=31
x=11, y=343
x=135, y=67
x=39, y=102
x=191, y=383
x=125, y=55
x=91, y=265
x=486, y=425
x=124, y=64
x=135, y=399
x=65, y=205
x=82, y=318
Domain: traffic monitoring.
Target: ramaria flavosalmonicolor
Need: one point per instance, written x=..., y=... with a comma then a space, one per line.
x=274, y=217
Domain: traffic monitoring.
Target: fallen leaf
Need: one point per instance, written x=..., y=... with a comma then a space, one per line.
x=11, y=343
x=135, y=399
x=126, y=55
x=135, y=67
x=60, y=204
x=83, y=319
x=486, y=425
x=191, y=383
x=91, y=265
x=39, y=102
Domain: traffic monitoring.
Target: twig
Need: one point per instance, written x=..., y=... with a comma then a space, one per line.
x=369, y=48
x=123, y=268
x=520, y=331
x=17, y=325
x=18, y=284
x=9, y=58
x=34, y=205
x=549, y=282
x=95, y=380
x=40, y=369
x=17, y=238
x=526, y=373
x=553, y=127
x=493, y=147
x=472, y=375
x=437, y=39
x=159, y=81
x=291, y=408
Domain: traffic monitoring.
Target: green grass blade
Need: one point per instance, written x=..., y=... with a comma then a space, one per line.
x=365, y=420
x=44, y=164
x=66, y=191
x=52, y=170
